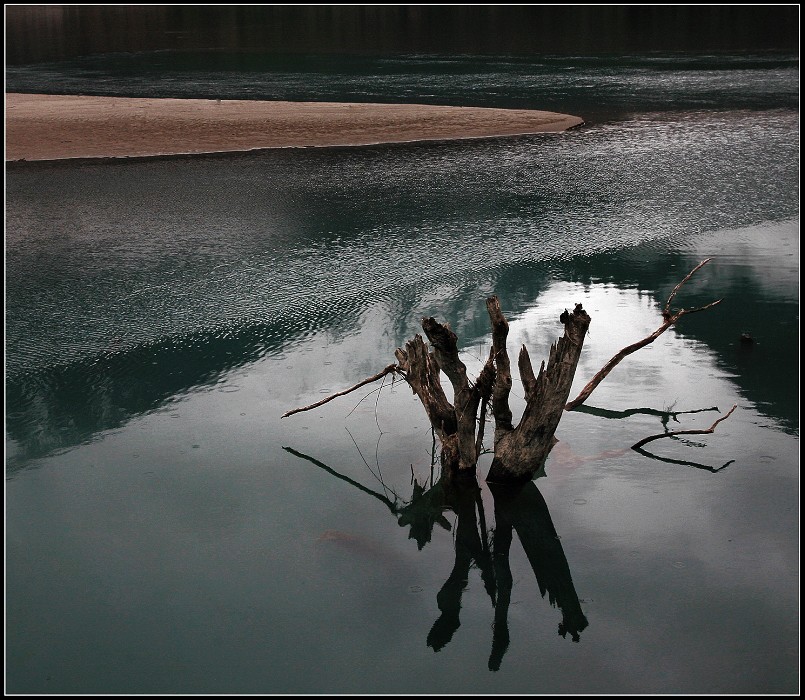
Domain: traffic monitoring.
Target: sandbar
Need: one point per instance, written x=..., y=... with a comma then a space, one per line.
x=55, y=127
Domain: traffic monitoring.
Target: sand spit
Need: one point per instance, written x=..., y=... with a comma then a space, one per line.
x=54, y=127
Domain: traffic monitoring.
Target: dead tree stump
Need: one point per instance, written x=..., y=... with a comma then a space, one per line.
x=521, y=450
x=455, y=424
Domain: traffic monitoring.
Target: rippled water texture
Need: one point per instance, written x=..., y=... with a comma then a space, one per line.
x=171, y=247
x=162, y=314
x=592, y=87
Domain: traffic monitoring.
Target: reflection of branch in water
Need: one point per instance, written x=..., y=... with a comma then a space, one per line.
x=637, y=447
x=672, y=433
x=665, y=416
x=422, y=512
x=393, y=506
x=682, y=462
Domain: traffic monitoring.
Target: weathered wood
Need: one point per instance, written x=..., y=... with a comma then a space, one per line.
x=455, y=424
x=499, y=356
x=466, y=397
x=520, y=452
x=421, y=371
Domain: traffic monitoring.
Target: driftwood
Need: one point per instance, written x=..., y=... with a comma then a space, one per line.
x=519, y=451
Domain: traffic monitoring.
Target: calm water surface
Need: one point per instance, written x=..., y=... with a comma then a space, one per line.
x=167, y=532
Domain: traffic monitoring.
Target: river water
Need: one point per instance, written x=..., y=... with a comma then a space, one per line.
x=167, y=532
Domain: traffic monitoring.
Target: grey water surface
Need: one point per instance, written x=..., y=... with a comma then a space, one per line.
x=168, y=532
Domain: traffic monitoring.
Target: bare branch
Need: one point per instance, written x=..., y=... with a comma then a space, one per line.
x=684, y=312
x=388, y=370
x=711, y=429
x=609, y=366
x=669, y=320
x=667, y=311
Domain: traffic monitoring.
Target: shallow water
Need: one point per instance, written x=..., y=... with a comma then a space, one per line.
x=162, y=315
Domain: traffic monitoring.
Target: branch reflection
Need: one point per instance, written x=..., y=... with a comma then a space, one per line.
x=665, y=417
x=518, y=510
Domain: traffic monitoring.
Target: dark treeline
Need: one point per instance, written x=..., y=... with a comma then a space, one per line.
x=42, y=33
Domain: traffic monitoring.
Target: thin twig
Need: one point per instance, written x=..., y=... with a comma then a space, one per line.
x=377, y=458
x=388, y=370
x=377, y=400
x=667, y=311
x=379, y=478
x=355, y=407
x=711, y=429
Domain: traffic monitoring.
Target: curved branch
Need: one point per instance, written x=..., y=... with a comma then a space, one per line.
x=695, y=465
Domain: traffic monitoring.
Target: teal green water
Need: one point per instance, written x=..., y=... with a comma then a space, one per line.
x=162, y=314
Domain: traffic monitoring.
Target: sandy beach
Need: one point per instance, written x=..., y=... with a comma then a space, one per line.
x=54, y=127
